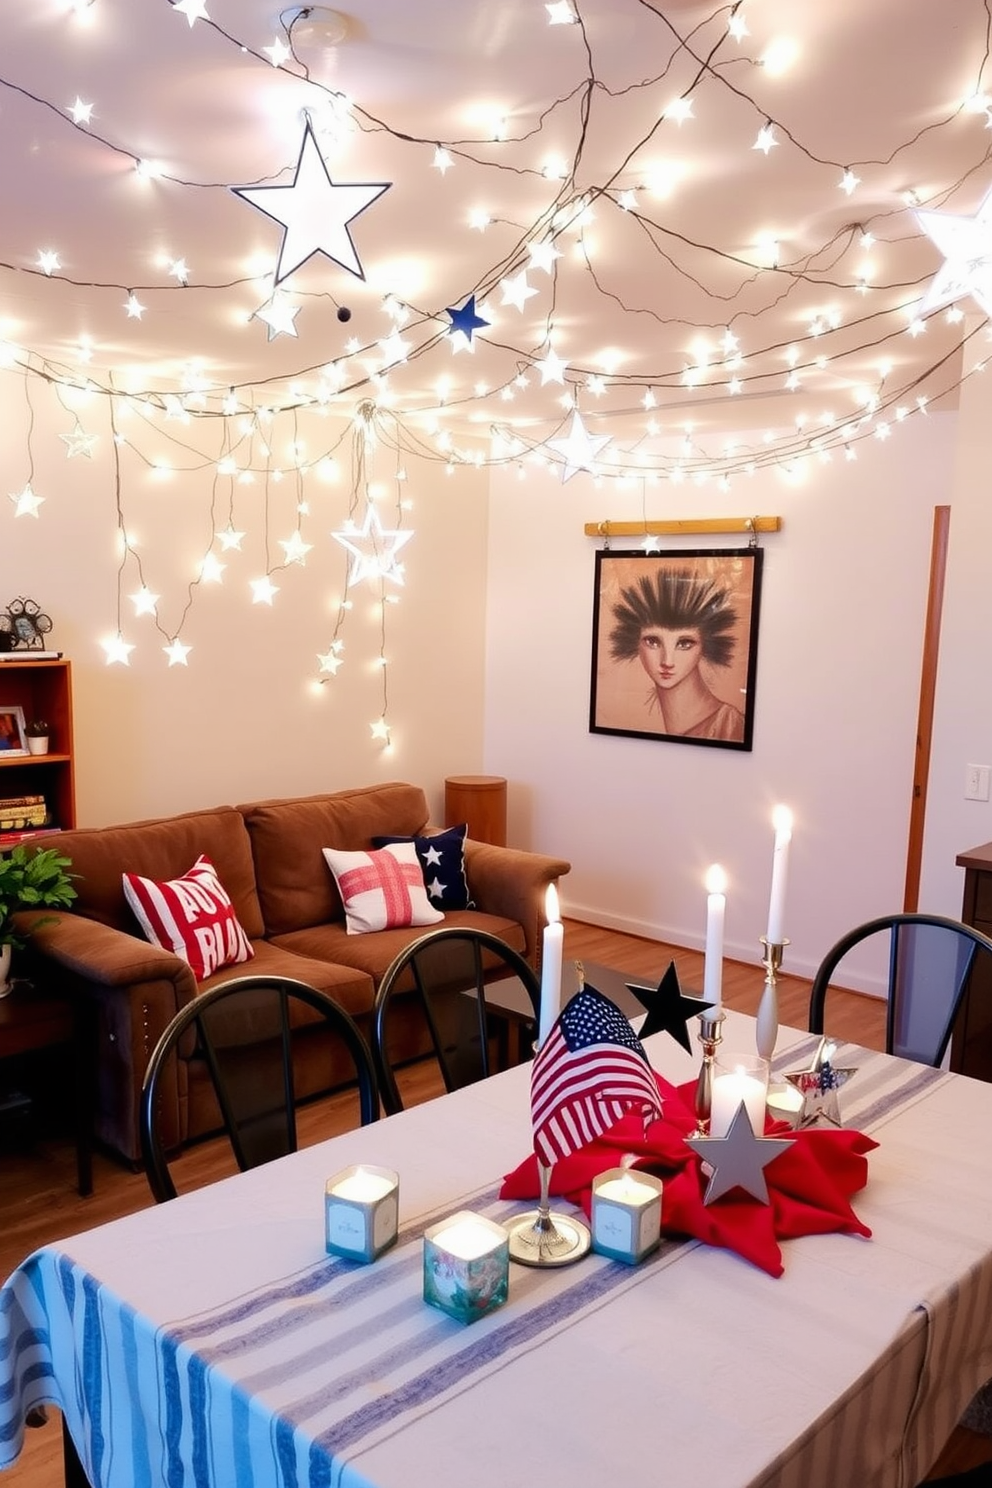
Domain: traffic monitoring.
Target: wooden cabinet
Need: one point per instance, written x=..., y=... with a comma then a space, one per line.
x=480, y=801
x=971, y=1046
x=44, y=690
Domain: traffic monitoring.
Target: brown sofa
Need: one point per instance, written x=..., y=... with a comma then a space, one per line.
x=268, y=857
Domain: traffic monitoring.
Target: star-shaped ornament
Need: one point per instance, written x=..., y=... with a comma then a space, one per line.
x=668, y=1008
x=329, y=662
x=739, y=1159
x=464, y=321
x=193, y=10
x=551, y=367
x=296, y=549
x=966, y=243
x=78, y=442
x=373, y=549
x=117, y=650
x=263, y=591
x=279, y=315
x=819, y=1086
x=380, y=730
x=177, y=653
x=26, y=503
x=313, y=211
x=578, y=448
x=517, y=291
x=230, y=538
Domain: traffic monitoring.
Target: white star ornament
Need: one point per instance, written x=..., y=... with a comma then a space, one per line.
x=373, y=549
x=966, y=243
x=578, y=448
x=313, y=211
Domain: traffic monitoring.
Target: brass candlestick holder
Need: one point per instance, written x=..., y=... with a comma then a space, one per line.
x=766, y=1032
x=710, y=1036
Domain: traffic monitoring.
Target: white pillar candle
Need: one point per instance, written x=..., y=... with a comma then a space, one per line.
x=716, y=905
x=782, y=822
x=554, y=935
x=736, y=1085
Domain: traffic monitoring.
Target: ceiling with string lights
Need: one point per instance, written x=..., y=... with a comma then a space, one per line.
x=576, y=228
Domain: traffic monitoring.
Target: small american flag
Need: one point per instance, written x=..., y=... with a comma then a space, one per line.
x=589, y=1072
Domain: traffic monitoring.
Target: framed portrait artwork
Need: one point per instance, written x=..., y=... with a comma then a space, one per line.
x=12, y=740
x=675, y=645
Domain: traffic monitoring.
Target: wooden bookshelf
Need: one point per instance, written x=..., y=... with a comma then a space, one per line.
x=44, y=690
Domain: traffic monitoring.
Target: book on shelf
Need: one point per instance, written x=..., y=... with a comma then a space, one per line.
x=16, y=821
x=8, y=803
x=11, y=839
x=30, y=656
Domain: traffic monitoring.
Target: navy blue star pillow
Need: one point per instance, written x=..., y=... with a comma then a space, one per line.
x=442, y=862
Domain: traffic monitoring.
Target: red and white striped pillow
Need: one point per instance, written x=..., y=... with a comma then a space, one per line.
x=192, y=916
x=381, y=890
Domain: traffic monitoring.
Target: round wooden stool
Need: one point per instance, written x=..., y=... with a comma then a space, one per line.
x=479, y=800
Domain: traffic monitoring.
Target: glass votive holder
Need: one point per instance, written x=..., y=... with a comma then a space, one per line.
x=361, y=1212
x=626, y=1214
x=466, y=1266
x=785, y=1103
x=738, y=1079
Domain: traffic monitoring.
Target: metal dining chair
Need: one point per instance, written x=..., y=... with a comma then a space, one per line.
x=463, y=984
x=241, y=1032
x=931, y=960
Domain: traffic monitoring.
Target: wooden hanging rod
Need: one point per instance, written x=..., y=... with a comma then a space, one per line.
x=674, y=528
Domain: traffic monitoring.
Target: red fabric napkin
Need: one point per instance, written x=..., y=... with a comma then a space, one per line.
x=809, y=1185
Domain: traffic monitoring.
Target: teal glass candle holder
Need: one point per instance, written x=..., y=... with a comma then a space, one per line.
x=626, y=1214
x=466, y=1266
x=361, y=1212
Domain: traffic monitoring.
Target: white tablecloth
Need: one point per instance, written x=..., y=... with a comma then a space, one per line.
x=210, y=1341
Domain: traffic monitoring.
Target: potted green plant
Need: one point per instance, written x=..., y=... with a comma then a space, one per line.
x=36, y=732
x=29, y=879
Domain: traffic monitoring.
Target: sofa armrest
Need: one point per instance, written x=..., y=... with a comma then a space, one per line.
x=508, y=881
x=100, y=954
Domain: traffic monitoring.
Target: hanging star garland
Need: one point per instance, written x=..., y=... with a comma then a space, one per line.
x=668, y=1008
x=578, y=448
x=739, y=1159
x=464, y=321
x=26, y=503
x=279, y=316
x=373, y=549
x=966, y=243
x=313, y=211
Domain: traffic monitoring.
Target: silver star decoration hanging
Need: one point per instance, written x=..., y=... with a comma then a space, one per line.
x=819, y=1086
x=578, y=448
x=78, y=442
x=739, y=1159
x=313, y=211
x=373, y=549
x=966, y=243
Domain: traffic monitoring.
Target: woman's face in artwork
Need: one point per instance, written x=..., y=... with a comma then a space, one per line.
x=668, y=656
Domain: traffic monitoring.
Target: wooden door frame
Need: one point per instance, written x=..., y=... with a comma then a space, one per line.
x=924, y=720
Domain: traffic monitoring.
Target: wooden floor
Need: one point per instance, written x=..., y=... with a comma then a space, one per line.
x=39, y=1204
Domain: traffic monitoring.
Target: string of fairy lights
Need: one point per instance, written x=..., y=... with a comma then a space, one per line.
x=539, y=400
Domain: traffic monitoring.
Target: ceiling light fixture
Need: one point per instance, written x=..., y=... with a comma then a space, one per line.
x=315, y=25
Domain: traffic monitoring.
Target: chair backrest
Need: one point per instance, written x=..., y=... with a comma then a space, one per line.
x=446, y=973
x=930, y=960
x=241, y=1032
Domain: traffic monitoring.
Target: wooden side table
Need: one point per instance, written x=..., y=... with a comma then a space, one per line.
x=31, y=1020
x=971, y=1044
x=479, y=800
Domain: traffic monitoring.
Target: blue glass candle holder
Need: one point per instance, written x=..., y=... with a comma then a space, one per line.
x=466, y=1266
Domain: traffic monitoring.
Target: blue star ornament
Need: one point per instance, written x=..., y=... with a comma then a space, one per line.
x=465, y=320
x=313, y=211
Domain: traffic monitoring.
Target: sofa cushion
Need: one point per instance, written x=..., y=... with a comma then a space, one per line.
x=351, y=987
x=442, y=861
x=374, y=953
x=381, y=890
x=161, y=849
x=192, y=916
x=295, y=889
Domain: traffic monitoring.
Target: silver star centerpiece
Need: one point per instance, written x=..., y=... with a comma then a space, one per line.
x=819, y=1086
x=739, y=1159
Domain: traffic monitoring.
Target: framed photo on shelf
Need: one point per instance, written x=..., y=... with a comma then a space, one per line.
x=12, y=739
x=675, y=646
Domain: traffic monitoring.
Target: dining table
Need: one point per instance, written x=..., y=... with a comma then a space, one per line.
x=212, y=1341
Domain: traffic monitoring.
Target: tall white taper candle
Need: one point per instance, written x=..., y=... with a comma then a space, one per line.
x=716, y=905
x=782, y=822
x=554, y=935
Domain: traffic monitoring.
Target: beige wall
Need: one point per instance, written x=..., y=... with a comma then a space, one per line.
x=245, y=718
